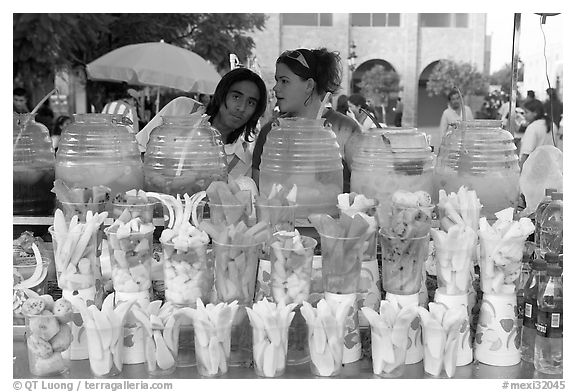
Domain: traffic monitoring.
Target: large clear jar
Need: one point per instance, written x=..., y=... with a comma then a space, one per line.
x=482, y=156
x=391, y=159
x=305, y=153
x=183, y=156
x=32, y=168
x=97, y=150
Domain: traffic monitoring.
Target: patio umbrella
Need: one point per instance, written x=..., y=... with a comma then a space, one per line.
x=156, y=64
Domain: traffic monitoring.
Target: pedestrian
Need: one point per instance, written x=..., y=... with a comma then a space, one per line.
x=60, y=125
x=453, y=113
x=20, y=100
x=539, y=132
x=398, y=111
x=358, y=106
x=553, y=106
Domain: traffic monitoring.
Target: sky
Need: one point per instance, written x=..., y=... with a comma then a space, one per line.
x=500, y=26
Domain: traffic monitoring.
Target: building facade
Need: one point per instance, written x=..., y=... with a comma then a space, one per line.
x=411, y=44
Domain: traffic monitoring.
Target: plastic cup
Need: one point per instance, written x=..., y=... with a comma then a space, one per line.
x=291, y=269
x=454, y=264
x=212, y=346
x=160, y=360
x=435, y=364
x=102, y=363
x=280, y=218
x=326, y=346
x=188, y=274
x=78, y=273
x=46, y=339
x=130, y=258
x=269, y=349
x=235, y=272
x=23, y=268
x=402, y=263
x=228, y=214
x=385, y=362
x=503, y=277
x=341, y=263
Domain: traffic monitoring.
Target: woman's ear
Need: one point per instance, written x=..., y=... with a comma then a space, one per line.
x=310, y=85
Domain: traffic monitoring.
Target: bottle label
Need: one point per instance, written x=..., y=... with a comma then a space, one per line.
x=530, y=313
x=549, y=324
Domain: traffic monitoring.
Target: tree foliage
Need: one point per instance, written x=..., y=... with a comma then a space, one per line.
x=377, y=84
x=503, y=77
x=46, y=43
x=448, y=74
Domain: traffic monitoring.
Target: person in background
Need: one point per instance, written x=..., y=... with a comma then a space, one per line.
x=45, y=115
x=453, y=113
x=303, y=77
x=398, y=111
x=357, y=102
x=126, y=105
x=539, y=132
x=530, y=96
x=553, y=106
x=238, y=103
x=60, y=125
x=342, y=104
x=20, y=100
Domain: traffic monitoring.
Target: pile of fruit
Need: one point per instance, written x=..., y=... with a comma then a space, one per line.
x=78, y=201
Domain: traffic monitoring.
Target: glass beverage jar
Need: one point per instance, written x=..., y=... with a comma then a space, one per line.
x=387, y=160
x=305, y=153
x=184, y=157
x=481, y=155
x=98, y=150
x=32, y=168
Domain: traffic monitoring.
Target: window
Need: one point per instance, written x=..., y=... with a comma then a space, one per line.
x=444, y=20
x=302, y=19
x=375, y=20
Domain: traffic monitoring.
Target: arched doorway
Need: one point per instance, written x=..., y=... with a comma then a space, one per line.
x=357, y=78
x=430, y=108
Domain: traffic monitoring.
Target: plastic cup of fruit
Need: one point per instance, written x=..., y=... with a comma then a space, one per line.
x=280, y=218
x=501, y=277
x=326, y=346
x=435, y=353
x=454, y=266
x=212, y=347
x=188, y=274
x=341, y=263
x=235, y=271
x=385, y=362
x=144, y=211
x=101, y=360
x=75, y=276
x=130, y=258
x=402, y=263
x=23, y=268
x=227, y=214
x=269, y=348
x=80, y=209
x=46, y=338
x=160, y=360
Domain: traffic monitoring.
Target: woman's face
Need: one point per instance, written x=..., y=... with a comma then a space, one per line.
x=241, y=102
x=290, y=90
x=355, y=109
x=529, y=115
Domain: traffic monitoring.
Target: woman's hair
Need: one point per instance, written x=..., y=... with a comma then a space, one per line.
x=358, y=100
x=537, y=107
x=58, y=125
x=342, y=104
x=219, y=98
x=319, y=64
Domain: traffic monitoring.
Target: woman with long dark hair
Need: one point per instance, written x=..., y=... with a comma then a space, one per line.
x=539, y=132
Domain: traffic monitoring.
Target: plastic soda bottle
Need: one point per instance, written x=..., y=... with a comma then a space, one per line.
x=551, y=229
x=548, y=357
x=537, y=276
x=538, y=214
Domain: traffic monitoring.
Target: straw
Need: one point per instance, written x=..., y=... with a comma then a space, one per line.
x=23, y=126
x=323, y=105
x=181, y=161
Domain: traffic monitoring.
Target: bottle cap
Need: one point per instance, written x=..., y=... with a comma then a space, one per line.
x=549, y=191
x=557, y=195
x=538, y=265
x=551, y=258
x=554, y=270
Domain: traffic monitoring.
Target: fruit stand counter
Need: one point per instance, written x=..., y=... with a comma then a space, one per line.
x=358, y=370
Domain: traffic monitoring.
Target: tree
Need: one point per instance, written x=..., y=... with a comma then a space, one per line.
x=377, y=84
x=46, y=43
x=448, y=74
x=503, y=77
